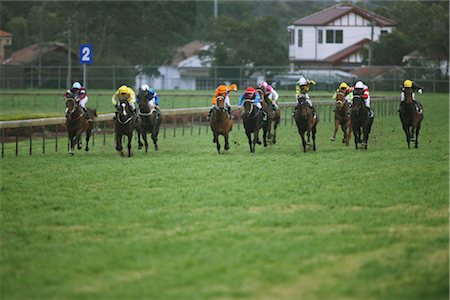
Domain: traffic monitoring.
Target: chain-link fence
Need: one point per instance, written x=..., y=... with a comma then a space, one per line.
x=378, y=78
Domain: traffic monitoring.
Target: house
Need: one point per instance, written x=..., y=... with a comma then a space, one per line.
x=335, y=36
x=186, y=71
x=22, y=68
x=5, y=45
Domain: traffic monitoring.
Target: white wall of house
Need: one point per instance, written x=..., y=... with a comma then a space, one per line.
x=354, y=29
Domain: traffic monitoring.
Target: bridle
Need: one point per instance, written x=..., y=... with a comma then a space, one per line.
x=75, y=108
x=123, y=112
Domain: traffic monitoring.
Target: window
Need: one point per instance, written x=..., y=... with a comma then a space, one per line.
x=384, y=32
x=300, y=38
x=292, y=32
x=338, y=37
x=335, y=36
x=320, y=36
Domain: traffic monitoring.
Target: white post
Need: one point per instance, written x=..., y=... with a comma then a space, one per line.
x=85, y=75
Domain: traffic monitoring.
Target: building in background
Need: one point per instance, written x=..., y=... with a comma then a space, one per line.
x=335, y=36
x=5, y=45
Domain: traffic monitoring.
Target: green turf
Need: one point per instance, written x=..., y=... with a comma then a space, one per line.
x=187, y=223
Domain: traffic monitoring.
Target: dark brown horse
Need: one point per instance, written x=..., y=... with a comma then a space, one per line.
x=342, y=118
x=411, y=115
x=306, y=122
x=267, y=123
x=125, y=123
x=220, y=123
x=273, y=116
x=361, y=123
x=149, y=123
x=253, y=121
x=76, y=124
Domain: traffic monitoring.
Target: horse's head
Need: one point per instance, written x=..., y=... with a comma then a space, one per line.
x=340, y=100
x=248, y=106
x=144, y=103
x=220, y=102
x=302, y=105
x=408, y=94
x=124, y=109
x=71, y=105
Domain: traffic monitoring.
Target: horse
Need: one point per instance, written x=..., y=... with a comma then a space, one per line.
x=124, y=125
x=342, y=118
x=273, y=117
x=149, y=123
x=411, y=116
x=253, y=121
x=220, y=123
x=361, y=123
x=306, y=122
x=76, y=124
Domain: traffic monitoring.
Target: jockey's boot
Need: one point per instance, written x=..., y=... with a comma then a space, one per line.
x=230, y=116
x=371, y=113
x=400, y=106
x=313, y=112
x=85, y=113
x=264, y=115
x=294, y=111
x=209, y=114
x=158, y=114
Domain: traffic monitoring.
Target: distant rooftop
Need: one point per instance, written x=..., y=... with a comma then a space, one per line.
x=334, y=12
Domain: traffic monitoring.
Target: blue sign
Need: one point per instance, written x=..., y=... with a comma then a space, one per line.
x=86, y=54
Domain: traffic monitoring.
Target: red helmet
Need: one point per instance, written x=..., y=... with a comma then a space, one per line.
x=250, y=90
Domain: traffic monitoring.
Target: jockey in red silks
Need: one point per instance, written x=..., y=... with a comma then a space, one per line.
x=362, y=90
x=79, y=93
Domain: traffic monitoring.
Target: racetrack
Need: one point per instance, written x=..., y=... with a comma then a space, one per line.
x=187, y=223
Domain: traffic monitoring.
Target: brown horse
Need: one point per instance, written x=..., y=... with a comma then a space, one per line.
x=273, y=115
x=342, y=118
x=220, y=124
x=268, y=122
x=306, y=122
x=124, y=125
x=149, y=123
x=76, y=124
x=411, y=115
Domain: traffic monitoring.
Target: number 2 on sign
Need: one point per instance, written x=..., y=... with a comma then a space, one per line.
x=86, y=54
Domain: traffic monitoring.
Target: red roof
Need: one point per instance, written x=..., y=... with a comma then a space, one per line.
x=339, y=56
x=328, y=15
x=29, y=54
x=5, y=34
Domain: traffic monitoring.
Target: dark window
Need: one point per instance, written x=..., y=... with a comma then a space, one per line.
x=292, y=41
x=320, y=36
x=300, y=38
x=338, y=39
x=384, y=31
x=330, y=36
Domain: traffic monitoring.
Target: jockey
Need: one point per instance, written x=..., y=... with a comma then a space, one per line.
x=152, y=97
x=224, y=91
x=251, y=94
x=272, y=95
x=125, y=93
x=79, y=93
x=346, y=90
x=362, y=90
x=409, y=84
x=302, y=87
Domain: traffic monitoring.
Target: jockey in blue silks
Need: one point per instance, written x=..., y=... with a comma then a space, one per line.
x=151, y=96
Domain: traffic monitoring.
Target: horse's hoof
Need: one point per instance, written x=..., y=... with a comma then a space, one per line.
x=71, y=153
x=139, y=147
x=227, y=147
x=119, y=148
x=332, y=139
x=87, y=149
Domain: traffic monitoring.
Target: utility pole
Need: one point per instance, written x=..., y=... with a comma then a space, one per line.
x=69, y=59
x=216, y=8
x=371, y=42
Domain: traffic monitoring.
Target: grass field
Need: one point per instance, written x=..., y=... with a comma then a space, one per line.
x=186, y=223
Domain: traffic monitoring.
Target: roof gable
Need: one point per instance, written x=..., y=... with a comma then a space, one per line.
x=339, y=56
x=5, y=34
x=328, y=15
x=31, y=53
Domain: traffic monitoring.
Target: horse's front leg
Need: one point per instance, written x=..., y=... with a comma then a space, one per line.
x=265, y=134
x=216, y=138
x=408, y=134
x=255, y=138
x=416, y=145
x=72, y=138
x=356, y=136
x=336, y=128
x=140, y=144
x=313, y=131
x=155, y=139
x=249, y=138
x=227, y=145
x=274, y=138
x=130, y=138
x=144, y=136
x=88, y=136
x=119, y=142
x=79, y=140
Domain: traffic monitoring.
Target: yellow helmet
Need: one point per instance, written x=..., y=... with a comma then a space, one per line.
x=407, y=84
x=343, y=86
x=123, y=89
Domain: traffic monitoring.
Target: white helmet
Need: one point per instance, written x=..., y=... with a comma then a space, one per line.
x=76, y=85
x=302, y=81
x=264, y=85
x=145, y=87
x=359, y=85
